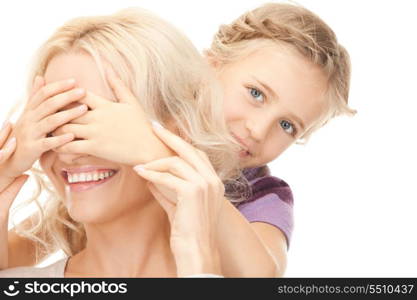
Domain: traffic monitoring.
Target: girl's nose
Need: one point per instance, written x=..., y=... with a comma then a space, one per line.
x=259, y=128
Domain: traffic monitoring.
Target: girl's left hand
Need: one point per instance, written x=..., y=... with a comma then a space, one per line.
x=114, y=131
x=191, y=193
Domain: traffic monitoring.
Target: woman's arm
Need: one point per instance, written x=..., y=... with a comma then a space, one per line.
x=21, y=250
x=6, y=197
x=249, y=249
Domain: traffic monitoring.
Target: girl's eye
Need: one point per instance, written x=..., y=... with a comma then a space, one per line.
x=288, y=127
x=257, y=94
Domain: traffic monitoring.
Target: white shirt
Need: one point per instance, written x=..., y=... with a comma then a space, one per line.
x=57, y=270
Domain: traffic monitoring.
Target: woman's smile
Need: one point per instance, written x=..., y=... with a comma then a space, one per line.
x=79, y=182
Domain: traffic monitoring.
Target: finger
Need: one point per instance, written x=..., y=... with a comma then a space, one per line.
x=48, y=91
x=166, y=204
x=57, y=103
x=8, y=195
x=52, y=122
x=204, y=156
x=174, y=165
x=165, y=179
x=79, y=131
x=93, y=101
x=85, y=119
x=4, y=133
x=184, y=150
x=37, y=84
x=76, y=146
x=8, y=150
x=50, y=143
x=120, y=90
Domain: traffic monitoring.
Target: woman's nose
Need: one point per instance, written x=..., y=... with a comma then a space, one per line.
x=69, y=158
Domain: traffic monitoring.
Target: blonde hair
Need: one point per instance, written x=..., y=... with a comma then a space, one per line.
x=297, y=27
x=169, y=78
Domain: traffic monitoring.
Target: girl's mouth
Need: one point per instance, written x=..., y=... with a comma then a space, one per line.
x=86, y=181
x=244, y=153
x=244, y=150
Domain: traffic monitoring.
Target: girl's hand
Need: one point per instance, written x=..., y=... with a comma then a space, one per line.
x=114, y=131
x=191, y=193
x=41, y=116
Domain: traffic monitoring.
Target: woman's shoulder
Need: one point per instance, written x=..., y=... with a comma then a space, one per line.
x=54, y=270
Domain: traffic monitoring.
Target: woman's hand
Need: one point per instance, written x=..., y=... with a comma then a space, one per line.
x=114, y=131
x=189, y=190
x=8, y=194
x=41, y=116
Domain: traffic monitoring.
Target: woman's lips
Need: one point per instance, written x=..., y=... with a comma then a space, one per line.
x=84, y=186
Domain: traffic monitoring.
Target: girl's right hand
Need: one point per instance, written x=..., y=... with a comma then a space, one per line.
x=40, y=117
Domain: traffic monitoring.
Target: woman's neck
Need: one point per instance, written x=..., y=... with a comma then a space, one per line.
x=134, y=245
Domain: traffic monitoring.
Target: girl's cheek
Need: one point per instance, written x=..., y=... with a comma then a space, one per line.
x=236, y=108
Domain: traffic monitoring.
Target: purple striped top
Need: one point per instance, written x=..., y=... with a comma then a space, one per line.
x=271, y=201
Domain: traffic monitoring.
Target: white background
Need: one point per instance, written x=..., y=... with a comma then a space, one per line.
x=354, y=183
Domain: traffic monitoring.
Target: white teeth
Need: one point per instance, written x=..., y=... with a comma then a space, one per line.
x=88, y=177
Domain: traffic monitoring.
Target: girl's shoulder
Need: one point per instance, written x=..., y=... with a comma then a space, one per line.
x=263, y=183
x=271, y=201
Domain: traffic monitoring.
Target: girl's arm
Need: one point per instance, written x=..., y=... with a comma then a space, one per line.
x=249, y=249
x=242, y=249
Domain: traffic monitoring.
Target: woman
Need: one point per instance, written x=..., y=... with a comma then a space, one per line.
x=295, y=44
x=109, y=223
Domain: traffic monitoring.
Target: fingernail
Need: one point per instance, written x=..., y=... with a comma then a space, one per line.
x=139, y=168
x=82, y=107
x=5, y=124
x=71, y=81
x=156, y=124
x=79, y=91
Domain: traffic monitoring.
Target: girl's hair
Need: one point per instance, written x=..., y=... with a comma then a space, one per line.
x=171, y=81
x=297, y=27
